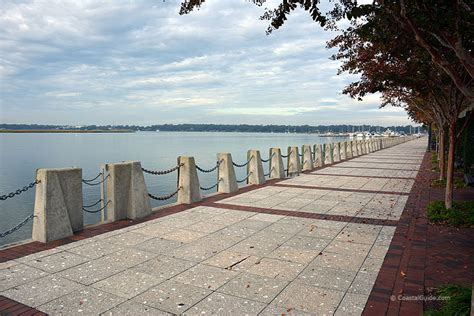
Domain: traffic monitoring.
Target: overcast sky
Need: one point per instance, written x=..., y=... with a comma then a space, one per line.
x=139, y=62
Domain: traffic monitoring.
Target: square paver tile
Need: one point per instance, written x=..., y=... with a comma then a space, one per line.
x=183, y=235
x=159, y=245
x=330, y=278
x=40, y=291
x=130, y=308
x=339, y=261
x=352, y=304
x=163, y=267
x=128, y=283
x=309, y=299
x=254, y=287
x=273, y=310
x=222, y=304
x=277, y=269
x=128, y=238
x=294, y=255
x=57, y=262
x=18, y=274
x=172, y=297
x=95, y=250
x=206, y=277
x=231, y=260
x=85, y=301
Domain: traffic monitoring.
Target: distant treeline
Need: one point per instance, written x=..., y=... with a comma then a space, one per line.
x=219, y=128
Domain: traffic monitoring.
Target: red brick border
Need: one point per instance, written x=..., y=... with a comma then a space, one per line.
x=11, y=307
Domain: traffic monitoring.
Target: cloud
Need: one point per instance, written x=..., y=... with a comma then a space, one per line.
x=139, y=62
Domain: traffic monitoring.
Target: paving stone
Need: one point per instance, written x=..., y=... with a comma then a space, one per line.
x=183, y=235
x=159, y=245
x=330, y=278
x=128, y=239
x=18, y=274
x=231, y=260
x=155, y=230
x=282, y=228
x=348, y=248
x=339, y=261
x=206, y=277
x=40, y=254
x=163, y=267
x=57, y=262
x=352, y=304
x=267, y=217
x=131, y=308
x=363, y=282
x=294, y=255
x=378, y=251
x=316, y=232
x=273, y=310
x=96, y=270
x=277, y=269
x=8, y=264
x=95, y=250
x=372, y=264
x=205, y=227
x=307, y=243
x=172, y=297
x=222, y=304
x=128, y=283
x=309, y=299
x=251, y=286
x=85, y=301
x=40, y=291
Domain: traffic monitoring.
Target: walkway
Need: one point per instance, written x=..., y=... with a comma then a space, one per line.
x=311, y=244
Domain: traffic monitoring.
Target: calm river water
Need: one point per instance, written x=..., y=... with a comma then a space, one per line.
x=22, y=154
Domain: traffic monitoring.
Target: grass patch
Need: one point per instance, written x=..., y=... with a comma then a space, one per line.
x=441, y=183
x=462, y=213
x=434, y=157
x=457, y=301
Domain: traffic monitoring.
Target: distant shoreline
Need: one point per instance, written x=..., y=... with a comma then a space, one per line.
x=63, y=131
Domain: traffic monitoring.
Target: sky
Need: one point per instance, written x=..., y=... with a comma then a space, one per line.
x=140, y=62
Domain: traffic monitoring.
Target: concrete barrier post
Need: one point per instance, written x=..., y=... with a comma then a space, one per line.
x=255, y=167
x=328, y=160
x=126, y=191
x=294, y=162
x=188, y=182
x=277, y=169
x=307, y=158
x=342, y=146
x=318, y=156
x=226, y=174
x=58, y=204
x=337, y=152
x=348, y=149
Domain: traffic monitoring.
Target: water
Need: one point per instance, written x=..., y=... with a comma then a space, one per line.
x=22, y=154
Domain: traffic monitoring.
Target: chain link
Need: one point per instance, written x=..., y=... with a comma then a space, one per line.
x=242, y=165
x=96, y=183
x=19, y=191
x=209, y=170
x=95, y=211
x=162, y=172
x=17, y=227
x=164, y=198
x=244, y=179
x=211, y=187
x=90, y=180
x=284, y=156
x=87, y=206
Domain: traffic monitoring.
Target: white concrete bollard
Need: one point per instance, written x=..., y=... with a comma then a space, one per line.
x=126, y=191
x=58, y=204
x=226, y=174
x=277, y=169
x=318, y=156
x=328, y=160
x=255, y=167
x=343, y=150
x=336, y=152
x=294, y=162
x=188, y=181
x=307, y=158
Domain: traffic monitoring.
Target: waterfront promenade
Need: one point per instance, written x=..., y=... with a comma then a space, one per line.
x=312, y=244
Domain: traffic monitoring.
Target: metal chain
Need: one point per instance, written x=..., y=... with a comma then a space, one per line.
x=166, y=197
x=211, y=187
x=284, y=156
x=162, y=172
x=19, y=191
x=209, y=170
x=242, y=165
x=96, y=183
x=266, y=174
x=87, y=206
x=90, y=180
x=96, y=211
x=244, y=179
x=17, y=227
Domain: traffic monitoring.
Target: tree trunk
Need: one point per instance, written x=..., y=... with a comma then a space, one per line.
x=448, y=198
x=441, y=154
